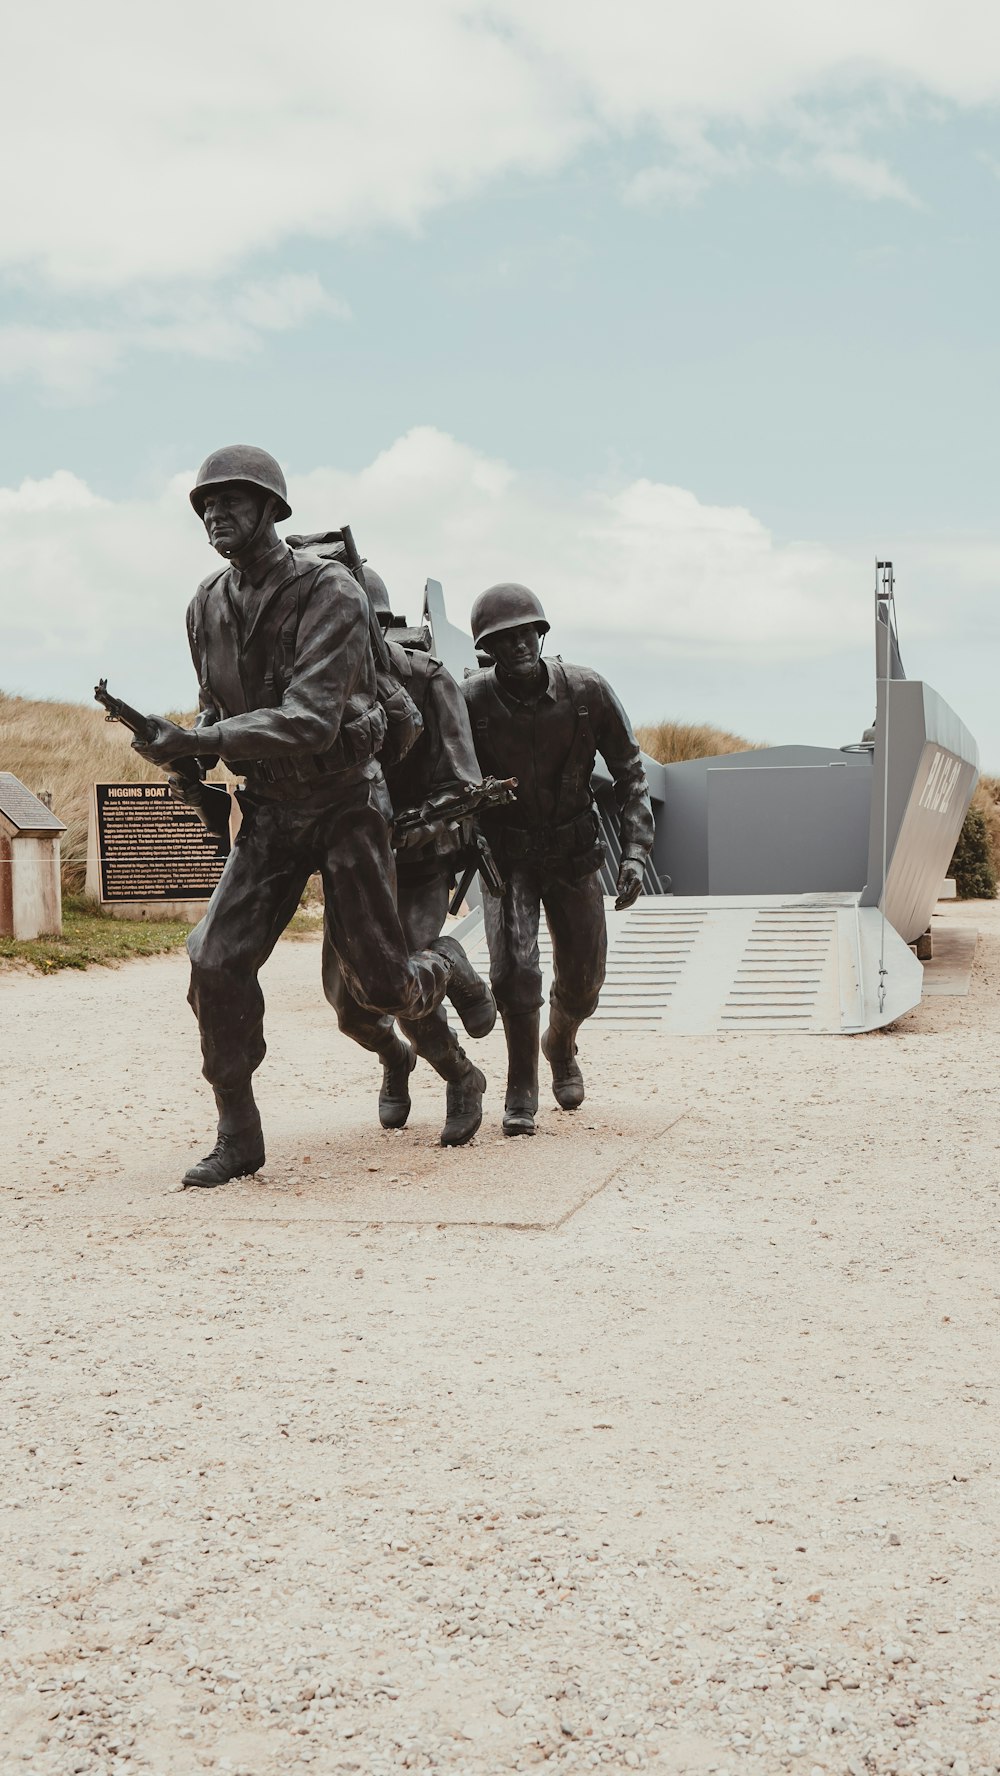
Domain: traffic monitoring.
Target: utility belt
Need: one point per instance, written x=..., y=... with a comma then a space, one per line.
x=539, y=844
x=358, y=741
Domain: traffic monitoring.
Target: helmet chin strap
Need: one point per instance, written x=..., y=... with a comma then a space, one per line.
x=243, y=556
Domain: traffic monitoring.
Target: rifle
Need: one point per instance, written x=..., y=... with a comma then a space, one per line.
x=210, y=801
x=469, y=800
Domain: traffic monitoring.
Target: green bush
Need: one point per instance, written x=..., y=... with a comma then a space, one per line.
x=973, y=866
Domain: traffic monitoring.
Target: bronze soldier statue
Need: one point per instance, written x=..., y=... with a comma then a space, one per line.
x=290, y=700
x=441, y=761
x=543, y=722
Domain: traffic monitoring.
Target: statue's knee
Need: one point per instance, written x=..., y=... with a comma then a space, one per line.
x=518, y=991
x=576, y=1005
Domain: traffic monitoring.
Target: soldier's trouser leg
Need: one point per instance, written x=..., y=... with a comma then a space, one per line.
x=575, y=915
x=257, y=893
x=423, y=905
x=578, y=928
x=516, y=978
x=366, y=953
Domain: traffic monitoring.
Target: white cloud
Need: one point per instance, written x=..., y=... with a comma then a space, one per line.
x=226, y=324
x=103, y=585
x=221, y=324
x=693, y=609
x=288, y=301
x=643, y=559
x=64, y=360
x=869, y=178
x=173, y=143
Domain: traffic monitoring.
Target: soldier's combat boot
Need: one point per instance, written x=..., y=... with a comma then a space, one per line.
x=394, y=1098
x=465, y=1107
x=559, y=1049
x=468, y=992
x=239, y=1150
x=521, y=1103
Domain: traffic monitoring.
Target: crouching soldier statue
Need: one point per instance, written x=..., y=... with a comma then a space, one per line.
x=543, y=722
x=441, y=761
x=290, y=700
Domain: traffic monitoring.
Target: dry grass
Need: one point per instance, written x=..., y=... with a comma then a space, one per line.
x=986, y=797
x=672, y=742
x=65, y=748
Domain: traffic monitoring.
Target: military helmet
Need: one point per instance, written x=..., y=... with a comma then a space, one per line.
x=241, y=462
x=505, y=607
x=378, y=592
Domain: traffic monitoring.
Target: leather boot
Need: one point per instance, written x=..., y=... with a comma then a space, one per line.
x=465, y=1107
x=559, y=1049
x=468, y=992
x=521, y=1030
x=239, y=1150
x=437, y=1044
x=394, y=1098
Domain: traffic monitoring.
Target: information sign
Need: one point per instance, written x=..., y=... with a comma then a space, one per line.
x=153, y=847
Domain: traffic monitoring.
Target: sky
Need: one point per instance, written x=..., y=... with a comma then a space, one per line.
x=680, y=314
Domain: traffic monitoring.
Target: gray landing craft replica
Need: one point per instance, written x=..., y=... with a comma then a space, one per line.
x=800, y=875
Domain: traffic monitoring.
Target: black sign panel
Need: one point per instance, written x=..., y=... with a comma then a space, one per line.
x=153, y=847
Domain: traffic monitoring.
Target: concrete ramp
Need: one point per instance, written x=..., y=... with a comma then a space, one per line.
x=702, y=965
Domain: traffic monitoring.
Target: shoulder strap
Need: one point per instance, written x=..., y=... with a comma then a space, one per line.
x=574, y=786
x=476, y=690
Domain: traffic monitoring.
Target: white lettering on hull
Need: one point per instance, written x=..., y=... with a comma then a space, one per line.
x=942, y=780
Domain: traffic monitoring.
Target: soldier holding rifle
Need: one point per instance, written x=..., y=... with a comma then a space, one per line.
x=291, y=700
x=543, y=722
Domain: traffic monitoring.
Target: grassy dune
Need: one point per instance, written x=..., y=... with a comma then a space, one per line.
x=672, y=742
x=65, y=748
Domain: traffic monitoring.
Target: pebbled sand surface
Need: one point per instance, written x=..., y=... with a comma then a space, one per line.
x=665, y=1441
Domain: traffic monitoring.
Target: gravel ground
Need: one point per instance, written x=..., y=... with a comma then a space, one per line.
x=662, y=1442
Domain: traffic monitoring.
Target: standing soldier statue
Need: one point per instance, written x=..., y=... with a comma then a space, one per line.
x=543, y=722
x=291, y=701
x=441, y=762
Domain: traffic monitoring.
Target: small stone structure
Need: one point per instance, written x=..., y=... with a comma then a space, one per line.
x=30, y=887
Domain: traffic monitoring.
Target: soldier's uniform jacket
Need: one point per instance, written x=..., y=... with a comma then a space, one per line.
x=550, y=746
x=444, y=754
x=286, y=675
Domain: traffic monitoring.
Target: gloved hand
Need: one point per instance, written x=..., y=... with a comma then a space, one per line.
x=170, y=742
x=629, y=884
x=184, y=789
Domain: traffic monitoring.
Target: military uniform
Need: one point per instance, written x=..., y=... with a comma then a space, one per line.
x=544, y=722
x=548, y=843
x=288, y=693
x=442, y=758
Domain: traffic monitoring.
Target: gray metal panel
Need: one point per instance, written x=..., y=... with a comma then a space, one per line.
x=933, y=765
x=452, y=646
x=682, y=849
x=23, y=809
x=793, y=829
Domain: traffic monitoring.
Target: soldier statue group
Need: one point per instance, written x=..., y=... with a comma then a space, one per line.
x=337, y=729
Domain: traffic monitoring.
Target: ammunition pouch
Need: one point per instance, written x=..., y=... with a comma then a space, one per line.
x=403, y=723
x=358, y=741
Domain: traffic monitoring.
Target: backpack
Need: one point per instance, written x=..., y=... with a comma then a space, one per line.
x=404, y=723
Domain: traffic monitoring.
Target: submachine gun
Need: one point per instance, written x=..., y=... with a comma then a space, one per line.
x=210, y=801
x=457, y=812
